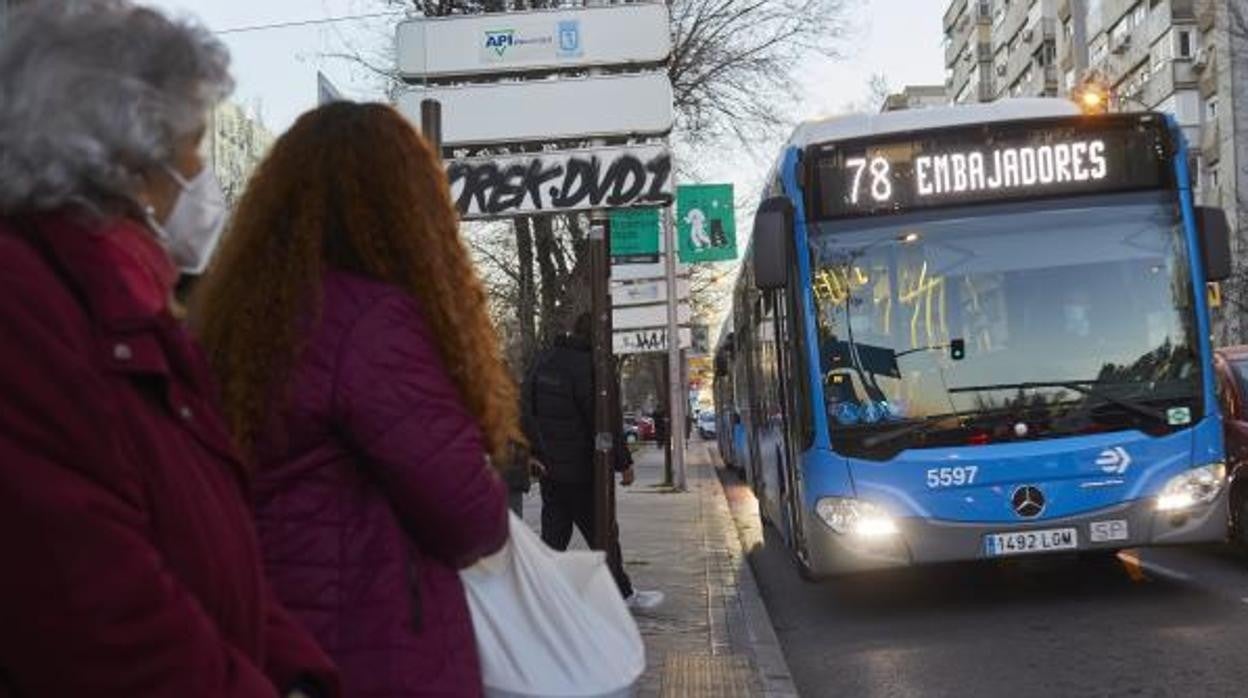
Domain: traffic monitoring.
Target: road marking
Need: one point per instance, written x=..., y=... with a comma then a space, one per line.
x=1134, y=566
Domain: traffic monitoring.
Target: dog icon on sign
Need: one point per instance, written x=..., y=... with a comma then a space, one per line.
x=697, y=229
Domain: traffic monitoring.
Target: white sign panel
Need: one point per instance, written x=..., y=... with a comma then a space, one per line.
x=646, y=292
x=637, y=272
x=531, y=41
x=548, y=110
x=636, y=317
x=562, y=180
x=648, y=341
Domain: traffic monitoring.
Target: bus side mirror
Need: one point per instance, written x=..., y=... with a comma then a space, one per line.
x=1215, y=242
x=773, y=233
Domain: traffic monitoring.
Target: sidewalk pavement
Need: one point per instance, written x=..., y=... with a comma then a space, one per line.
x=712, y=636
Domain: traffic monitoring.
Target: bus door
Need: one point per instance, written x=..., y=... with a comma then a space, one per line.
x=794, y=398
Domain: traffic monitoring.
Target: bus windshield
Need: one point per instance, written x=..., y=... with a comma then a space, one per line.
x=1007, y=324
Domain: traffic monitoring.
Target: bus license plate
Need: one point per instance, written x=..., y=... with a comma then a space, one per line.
x=1025, y=542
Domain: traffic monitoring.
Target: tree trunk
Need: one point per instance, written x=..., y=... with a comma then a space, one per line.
x=552, y=282
x=526, y=307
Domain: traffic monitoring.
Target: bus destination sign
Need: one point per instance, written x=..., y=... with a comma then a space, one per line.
x=990, y=163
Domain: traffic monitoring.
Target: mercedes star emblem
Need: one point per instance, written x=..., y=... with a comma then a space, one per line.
x=1028, y=502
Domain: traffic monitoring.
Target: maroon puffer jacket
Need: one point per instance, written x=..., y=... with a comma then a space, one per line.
x=130, y=562
x=372, y=491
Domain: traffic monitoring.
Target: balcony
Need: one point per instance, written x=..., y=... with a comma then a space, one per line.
x=953, y=53
x=1113, y=10
x=1015, y=18
x=1066, y=56
x=959, y=33
x=954, y=12
x=1043, y=82
x=1124, y=56
x=1211, y=142
x=1176, y=75
x=1207, y=77
x=1206, y=13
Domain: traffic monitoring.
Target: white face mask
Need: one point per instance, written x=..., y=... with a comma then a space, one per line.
x=194, y=226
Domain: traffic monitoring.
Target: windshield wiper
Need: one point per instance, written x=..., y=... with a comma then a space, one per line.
x=906, y=430
x=1088, y=388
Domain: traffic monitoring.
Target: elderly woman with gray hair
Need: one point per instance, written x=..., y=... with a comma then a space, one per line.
x=130, y=564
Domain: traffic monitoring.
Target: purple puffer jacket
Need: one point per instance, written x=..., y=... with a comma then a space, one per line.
x=372, y=491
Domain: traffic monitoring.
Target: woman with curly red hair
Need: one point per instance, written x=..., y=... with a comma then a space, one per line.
x=360, y=368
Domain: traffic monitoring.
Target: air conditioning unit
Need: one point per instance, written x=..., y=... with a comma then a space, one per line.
x=1028, y=35
x=1001, y=71
x=1200, y=61
x=1121, y=45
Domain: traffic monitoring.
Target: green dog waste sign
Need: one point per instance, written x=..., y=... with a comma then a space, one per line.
x=706, y=223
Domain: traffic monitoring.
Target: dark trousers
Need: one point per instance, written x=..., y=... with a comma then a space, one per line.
x=565, y=504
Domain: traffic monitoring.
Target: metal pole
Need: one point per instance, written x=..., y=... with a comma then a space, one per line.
x=676, y=389
x=669, y=478
x=604, y=429
x=431, y=123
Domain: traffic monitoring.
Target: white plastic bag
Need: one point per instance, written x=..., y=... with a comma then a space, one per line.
x=551, y=624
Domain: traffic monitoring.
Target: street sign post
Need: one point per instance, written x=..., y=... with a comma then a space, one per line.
x=562, y=181
x=706, y=220
x=635, y=236
x=646, y=292
x=511, y=42
x=532, y=82
x=639, y=272
x=642, y=316
x=528, y=111
x=649, y=341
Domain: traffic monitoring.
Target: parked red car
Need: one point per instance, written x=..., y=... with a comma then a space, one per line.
x=643, y=427
x=1231, y=370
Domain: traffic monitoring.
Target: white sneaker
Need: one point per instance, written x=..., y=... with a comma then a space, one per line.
x=645, y=600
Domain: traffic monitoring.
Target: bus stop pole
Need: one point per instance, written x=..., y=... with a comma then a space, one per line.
x=431, y=124
x=604, y=375
x=677, y=395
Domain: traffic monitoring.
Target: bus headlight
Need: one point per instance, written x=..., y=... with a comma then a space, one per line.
x=854, y=516
x=1196, y=486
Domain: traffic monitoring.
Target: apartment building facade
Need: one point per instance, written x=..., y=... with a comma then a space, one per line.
x=236, y=142
x=916, y=97
x=1185, y=58
x=1000, y=48
x=968, y=51
x=1188, y=58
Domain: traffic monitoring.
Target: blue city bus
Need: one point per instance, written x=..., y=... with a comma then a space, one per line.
x=729, y=432
x=977, y=332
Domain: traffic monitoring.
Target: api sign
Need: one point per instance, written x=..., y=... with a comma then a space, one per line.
x=636, y=34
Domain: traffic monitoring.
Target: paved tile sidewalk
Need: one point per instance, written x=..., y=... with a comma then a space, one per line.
x=712, y=636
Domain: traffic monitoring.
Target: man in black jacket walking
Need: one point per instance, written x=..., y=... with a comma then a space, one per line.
x=558, y=413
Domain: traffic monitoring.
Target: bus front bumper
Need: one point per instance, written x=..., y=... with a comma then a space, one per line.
x=924, y=541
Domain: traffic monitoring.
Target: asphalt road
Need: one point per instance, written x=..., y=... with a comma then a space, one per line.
x=1157, y=622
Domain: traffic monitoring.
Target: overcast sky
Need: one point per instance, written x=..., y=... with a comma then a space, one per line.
x=276, y=68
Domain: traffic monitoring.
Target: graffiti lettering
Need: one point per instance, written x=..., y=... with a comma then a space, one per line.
x=562, y=181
